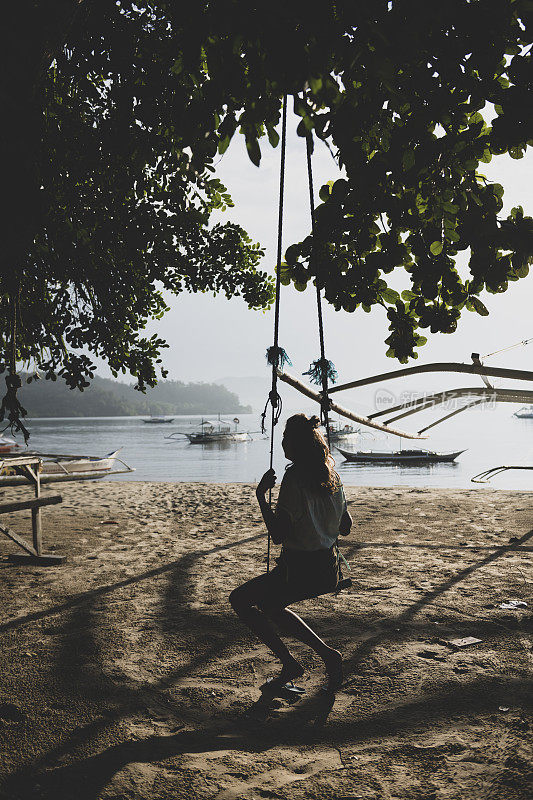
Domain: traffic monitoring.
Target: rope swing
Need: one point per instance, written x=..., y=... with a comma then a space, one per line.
x=10, y=407
x=320, y=371
x=276, y=355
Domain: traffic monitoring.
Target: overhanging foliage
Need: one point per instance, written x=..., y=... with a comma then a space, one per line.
x=140, y=99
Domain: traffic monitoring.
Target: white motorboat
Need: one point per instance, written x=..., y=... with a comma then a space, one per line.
x=415, y=457
x=58, y=468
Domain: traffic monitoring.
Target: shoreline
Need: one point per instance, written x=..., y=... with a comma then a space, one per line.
x=124, y=673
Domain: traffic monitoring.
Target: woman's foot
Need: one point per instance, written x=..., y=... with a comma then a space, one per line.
x=333, y=662
x=289, y=672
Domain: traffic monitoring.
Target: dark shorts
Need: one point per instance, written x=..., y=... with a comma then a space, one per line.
x=298, y=576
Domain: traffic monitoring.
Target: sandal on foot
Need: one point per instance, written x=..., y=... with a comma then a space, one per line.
x=273, y=685
x=285, y=678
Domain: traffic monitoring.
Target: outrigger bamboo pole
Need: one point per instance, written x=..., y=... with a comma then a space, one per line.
x=317, y=397
x=452, y=414
x=471, y=369
x=433, y=400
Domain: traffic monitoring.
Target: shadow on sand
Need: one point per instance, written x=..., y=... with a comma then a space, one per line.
x=79, y=661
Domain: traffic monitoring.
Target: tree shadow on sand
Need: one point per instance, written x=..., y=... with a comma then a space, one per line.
x=304, y=723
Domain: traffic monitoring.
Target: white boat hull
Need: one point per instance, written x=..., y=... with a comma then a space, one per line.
x=68, y=469
x=208, y=438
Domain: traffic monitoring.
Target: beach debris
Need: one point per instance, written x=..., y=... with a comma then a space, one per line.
x=510, y=604
x=466, y=641
x=109, y=522
x=503, y=708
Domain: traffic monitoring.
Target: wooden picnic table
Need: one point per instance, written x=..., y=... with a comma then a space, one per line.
x=30, y=467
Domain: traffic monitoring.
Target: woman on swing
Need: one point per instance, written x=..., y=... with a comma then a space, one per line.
x=310, y=513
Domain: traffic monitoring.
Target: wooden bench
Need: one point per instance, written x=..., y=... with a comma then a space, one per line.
x=30, y=467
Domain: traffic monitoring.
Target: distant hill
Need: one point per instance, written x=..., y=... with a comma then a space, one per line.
x=109, y=398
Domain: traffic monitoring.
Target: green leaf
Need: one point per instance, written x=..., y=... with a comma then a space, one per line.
x=408, y=160
x=478, y=306
x=273, y=135
x=315, y=84
x=452, y=236
x=436, y=248
x=390, y=295
x=254, y=152
x=451, y=207
x=325, y=191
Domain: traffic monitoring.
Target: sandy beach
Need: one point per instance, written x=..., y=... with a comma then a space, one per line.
x=124, y=673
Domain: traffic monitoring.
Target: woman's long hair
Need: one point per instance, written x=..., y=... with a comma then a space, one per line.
x=310, y=453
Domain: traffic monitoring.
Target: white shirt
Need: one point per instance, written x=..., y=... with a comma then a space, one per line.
x=315, y=516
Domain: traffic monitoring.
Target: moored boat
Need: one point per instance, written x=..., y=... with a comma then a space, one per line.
x=210, y=432
x=59, y=468
x=8, y=445
x=156, y=420
x=416, y=457
x=526, y=412
x=338, y=431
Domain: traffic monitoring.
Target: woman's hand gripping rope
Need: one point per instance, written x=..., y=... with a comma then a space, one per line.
x=267, y=482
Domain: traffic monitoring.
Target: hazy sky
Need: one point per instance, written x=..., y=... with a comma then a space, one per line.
x=211, y=338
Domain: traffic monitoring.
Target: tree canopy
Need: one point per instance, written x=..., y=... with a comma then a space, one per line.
x=120, y=117
x=111, y=206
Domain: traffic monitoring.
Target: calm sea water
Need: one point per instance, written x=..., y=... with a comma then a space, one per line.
x=491, y=436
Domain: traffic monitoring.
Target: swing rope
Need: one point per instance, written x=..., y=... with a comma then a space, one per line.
x=10, y=406
x=276, y=355
x=322, y=370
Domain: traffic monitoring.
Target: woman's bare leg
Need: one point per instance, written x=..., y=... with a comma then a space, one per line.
x=259, y=624
x=291, y=624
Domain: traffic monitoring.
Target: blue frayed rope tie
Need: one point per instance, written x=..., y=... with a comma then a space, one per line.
x=322, y=370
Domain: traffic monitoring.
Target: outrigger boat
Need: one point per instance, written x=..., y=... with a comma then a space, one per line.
x=526, y=412
x=58, y=468
x=474, y=396
x=209, y=432
x=7, y=445
x=338, y=432
x=404, y=457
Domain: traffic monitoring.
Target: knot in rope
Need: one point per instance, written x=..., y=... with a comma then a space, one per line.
x=325, y=408
x=12, y=409
x=277, y=357
x=275, y=401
